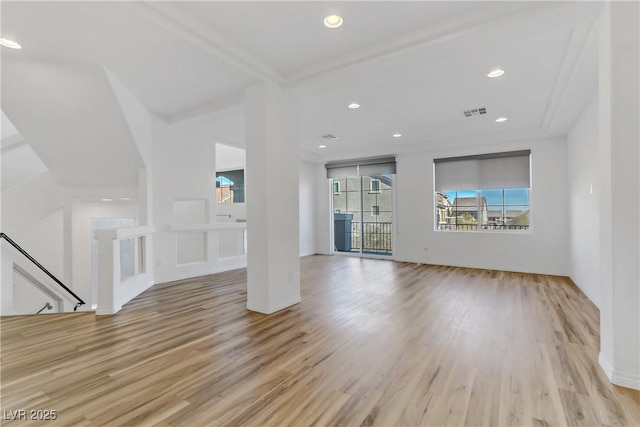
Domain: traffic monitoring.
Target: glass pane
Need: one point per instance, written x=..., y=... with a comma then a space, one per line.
x=517, y=217
x=369, y=199
x=353, y=183
x=230, y=186
x=494, y=197
x=495, y=217
x=340, y=197
x=516, y=196
x=465, y=210
x=444, y=210
x=353, y=201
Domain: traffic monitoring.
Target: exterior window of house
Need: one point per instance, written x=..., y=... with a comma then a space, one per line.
x=483, y=193
x=375, y=210
x=230, y=187
x=336, y=188
x=374, y=186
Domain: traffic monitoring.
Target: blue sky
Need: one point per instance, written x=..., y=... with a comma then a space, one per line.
x=512, y=196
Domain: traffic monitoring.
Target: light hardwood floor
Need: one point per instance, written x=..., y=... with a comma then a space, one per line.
x=373, y=342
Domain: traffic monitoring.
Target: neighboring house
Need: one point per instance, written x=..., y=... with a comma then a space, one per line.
x=376, y=198
x=496, y=217
x=444, y=209
x=463, y=206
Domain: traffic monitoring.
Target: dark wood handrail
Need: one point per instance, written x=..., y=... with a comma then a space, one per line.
x=37, y=264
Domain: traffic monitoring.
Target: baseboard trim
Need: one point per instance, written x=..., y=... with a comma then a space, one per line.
x=269, y=309
x=621, y=379
x=107, y=311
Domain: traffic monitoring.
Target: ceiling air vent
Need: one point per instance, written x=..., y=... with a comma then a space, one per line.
x=329, y=136
x=475, y=112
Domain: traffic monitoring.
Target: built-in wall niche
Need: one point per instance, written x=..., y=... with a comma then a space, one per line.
x=191, y=211
x=191, y=246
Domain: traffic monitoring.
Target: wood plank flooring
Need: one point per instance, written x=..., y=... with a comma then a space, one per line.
x=373, y=343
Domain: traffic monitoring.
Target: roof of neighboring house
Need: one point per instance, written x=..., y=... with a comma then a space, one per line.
x=492, y=214
x=513, y=214
x=468, y=202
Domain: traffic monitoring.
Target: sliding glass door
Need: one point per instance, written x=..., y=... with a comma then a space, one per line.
x=362, y=214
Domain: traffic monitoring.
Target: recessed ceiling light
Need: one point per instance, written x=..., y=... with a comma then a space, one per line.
x=107, y=200
x=495, y=73
x=333, y=21
x=397, y=135
x=124, y=198
x=353, y=105
x=10, y=44
x=501, y=119
x=322, y=146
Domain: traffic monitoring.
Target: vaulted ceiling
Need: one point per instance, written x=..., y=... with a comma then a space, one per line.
x=414, y=66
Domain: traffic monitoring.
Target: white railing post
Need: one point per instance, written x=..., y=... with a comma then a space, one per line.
x=113, y=293
x=108, y=272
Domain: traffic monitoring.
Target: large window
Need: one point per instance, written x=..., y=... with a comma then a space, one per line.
x=480, y=193
x=230, y=187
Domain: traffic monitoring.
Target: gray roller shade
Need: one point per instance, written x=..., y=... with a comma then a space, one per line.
x=361, y=167
x=482, y=172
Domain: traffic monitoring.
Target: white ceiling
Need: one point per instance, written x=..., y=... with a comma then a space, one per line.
x=8, y=128
x=413, y=66
x=20, y=164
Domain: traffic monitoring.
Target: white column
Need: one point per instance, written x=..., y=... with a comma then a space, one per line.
x=272, y=198
x=619, y=146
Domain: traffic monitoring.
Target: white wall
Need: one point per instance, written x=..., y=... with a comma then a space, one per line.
x=323, y=228
x=542, y=250
x=185, y=164
x=44, y=241
x=307, y=207
x=619, y=151
x=28, y=202
x=584, y=210
x=230, y=158
x=28, y=298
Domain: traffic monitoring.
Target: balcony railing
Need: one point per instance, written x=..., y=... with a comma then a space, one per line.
x=476, y=227
x=377, y=237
